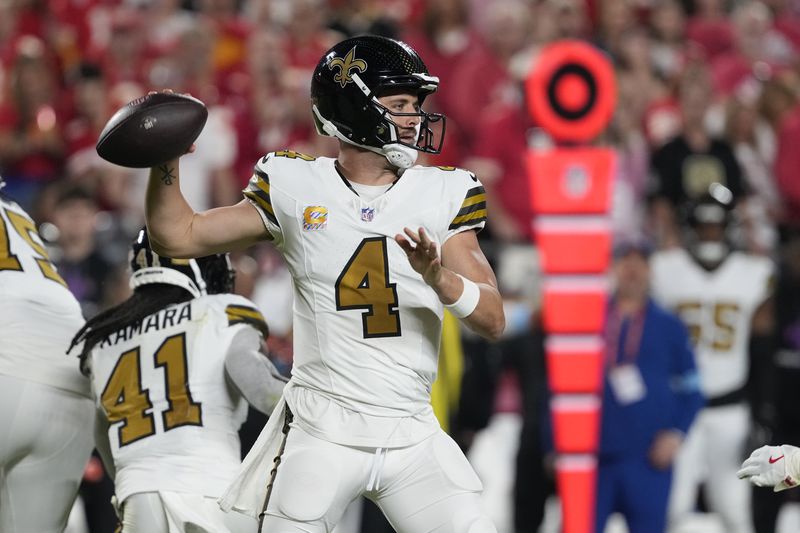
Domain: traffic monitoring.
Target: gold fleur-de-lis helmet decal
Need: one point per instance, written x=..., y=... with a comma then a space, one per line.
x=346, y=65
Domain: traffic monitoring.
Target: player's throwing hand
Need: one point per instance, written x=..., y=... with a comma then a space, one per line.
x=772, y=466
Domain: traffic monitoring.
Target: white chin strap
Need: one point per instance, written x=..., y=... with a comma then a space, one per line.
x=149, y=275
x=711, y=252
x=397, y=154
x=400, y=155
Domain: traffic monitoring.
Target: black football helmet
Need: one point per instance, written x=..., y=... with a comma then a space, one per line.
x=345, y=88
x=708, y=222
x=212, y=274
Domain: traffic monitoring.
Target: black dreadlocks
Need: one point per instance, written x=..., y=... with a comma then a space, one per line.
x=146, y=300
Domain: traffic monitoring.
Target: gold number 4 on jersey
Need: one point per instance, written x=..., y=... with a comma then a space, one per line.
x=124, y=399
x=364, y=284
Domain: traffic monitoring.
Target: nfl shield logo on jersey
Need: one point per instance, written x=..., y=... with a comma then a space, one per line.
x=367, y=214
x=315, y=217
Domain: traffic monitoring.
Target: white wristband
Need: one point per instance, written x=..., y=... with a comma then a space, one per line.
x=468, y=301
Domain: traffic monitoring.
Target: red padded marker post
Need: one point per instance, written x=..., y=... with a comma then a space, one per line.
x=574, y=305
x=576, y=479
x=574, y=366
x=571, y=91
x=576, y=422
x=574, y=181
x=568, y=246
x=571, y=94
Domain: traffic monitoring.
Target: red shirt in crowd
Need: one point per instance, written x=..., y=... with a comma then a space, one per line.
x=36, y=166
x=715, y=37
x=502, y=136
x=787, y=165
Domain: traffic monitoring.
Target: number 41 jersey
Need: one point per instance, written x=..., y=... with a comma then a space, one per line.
x=366, y=326
x=173, y=417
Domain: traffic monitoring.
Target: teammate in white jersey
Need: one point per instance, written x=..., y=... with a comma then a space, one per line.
x=47, y=415
x=377, y=247
x=717, y=292
x=170, y=369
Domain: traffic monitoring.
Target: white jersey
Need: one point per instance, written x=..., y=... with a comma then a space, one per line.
x=38, y=314
x=366, y=326
x=173, y=417
x=717, y=306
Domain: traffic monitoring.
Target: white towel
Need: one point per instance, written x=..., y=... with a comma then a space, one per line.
x=248, y=490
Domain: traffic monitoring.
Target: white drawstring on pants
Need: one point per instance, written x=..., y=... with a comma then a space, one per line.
x=375, y=471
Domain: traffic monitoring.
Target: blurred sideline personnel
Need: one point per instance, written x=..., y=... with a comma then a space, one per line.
x=171, y=368
x=368, y=300
x=721, y=295
x=47, y=414
x=651, y=396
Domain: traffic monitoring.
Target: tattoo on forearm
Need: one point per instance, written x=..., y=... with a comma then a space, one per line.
x=166, y=174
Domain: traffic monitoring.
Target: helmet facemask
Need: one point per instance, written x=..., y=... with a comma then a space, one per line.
x=708, y=238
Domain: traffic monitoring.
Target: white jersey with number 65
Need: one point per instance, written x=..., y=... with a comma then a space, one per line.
x=366, y=326
x=717, y=306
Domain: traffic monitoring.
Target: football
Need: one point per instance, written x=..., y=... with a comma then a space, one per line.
x=152, y=130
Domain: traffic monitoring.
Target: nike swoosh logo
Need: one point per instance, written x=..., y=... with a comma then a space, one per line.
x=771, y=460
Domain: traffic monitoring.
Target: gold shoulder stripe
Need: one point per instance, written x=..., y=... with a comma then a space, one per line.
x=475, y=191
x=239, y=314
x=263, y=204
x=263, y=186
x=472, y=218
x=465, y=212
x=258, y=190
x=261, y=174
x=472, y=200
x=473, y=208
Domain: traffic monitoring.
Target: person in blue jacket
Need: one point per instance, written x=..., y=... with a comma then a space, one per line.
x=651, y=395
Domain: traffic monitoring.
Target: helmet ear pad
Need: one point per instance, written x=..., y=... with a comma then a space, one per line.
x=356, y=118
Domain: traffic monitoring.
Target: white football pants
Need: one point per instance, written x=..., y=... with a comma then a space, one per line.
x=46, y=437
x=177, y=512
x=712, y=453
x=425, y=488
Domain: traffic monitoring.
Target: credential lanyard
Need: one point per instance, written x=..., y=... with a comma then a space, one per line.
x=633, y=337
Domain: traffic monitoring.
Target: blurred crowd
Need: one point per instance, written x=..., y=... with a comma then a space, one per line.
x=708, y=92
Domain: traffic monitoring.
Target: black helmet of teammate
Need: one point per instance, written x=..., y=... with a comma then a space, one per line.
x=344, y=90
x=708, y=223
x=212, y=274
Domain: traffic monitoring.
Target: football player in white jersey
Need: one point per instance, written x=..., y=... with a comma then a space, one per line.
x=47, y=414
x=171, y=368
x=377, y=248
x=717, y=292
